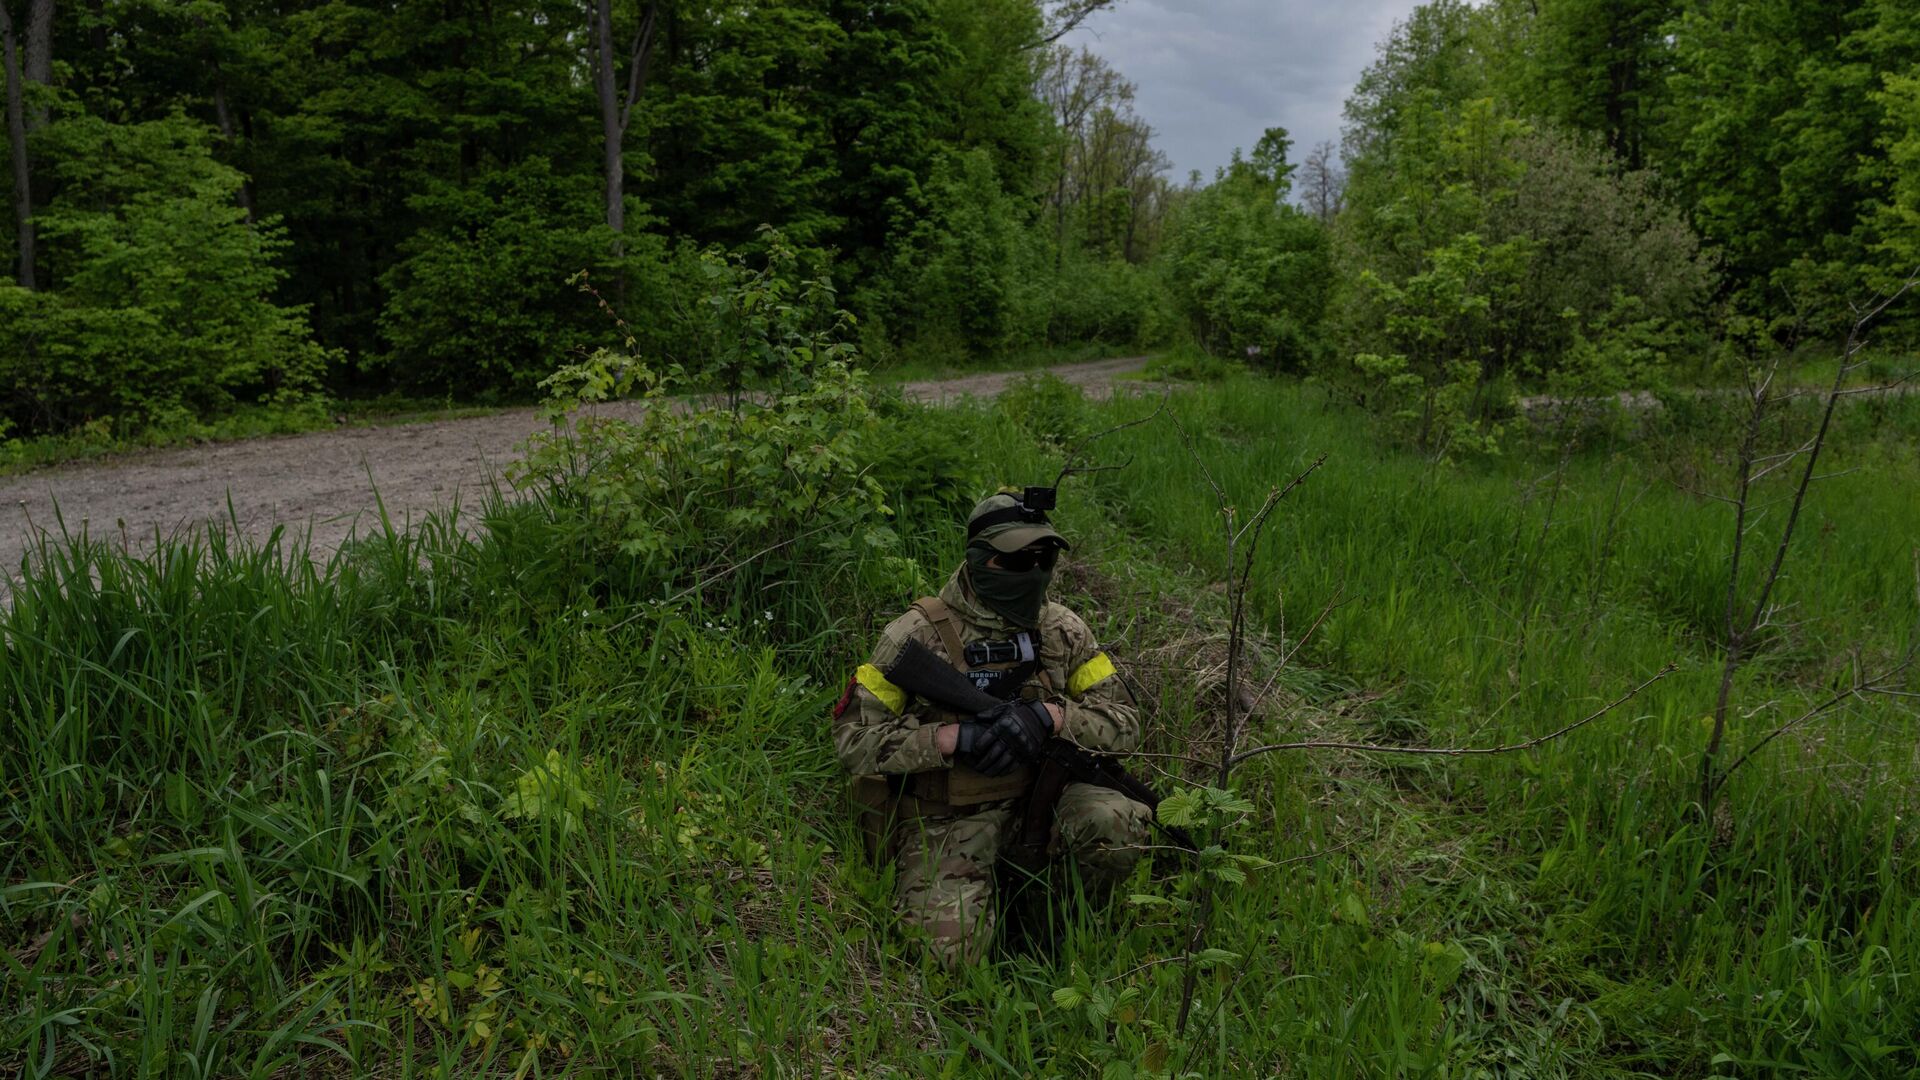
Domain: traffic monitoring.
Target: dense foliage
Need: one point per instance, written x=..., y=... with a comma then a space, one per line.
x=392, y=198
x=493, y=801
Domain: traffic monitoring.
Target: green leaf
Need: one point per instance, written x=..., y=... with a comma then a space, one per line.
x=1068, y=997
x=1180, y=809
x=1354, y=910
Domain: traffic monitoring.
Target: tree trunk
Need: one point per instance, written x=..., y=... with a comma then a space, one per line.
x=225, y=120
x=612, y=133
x=17, y=150
x=616, y=112
x=39, y=55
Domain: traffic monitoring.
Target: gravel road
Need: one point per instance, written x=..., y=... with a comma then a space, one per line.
x=325, y=481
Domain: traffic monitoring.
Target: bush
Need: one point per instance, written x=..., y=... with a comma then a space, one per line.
x=162, y=310
x=690, y=492
x=1105, y=300
x=963, y=278
x=481, y=304
x=1249, y=273
x=1047, y=407
x=1478, y=251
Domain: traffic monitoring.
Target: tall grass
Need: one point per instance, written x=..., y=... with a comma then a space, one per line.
x=451, y=804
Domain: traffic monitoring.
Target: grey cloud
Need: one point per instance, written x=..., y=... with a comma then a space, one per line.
x=1213, y=74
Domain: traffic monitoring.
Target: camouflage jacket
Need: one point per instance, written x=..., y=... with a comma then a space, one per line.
x=886, y=730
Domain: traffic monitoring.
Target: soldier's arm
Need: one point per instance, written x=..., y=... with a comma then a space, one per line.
x=884, y=729
x=1099, y=712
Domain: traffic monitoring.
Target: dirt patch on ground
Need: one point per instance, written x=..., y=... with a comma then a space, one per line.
x=325, y=482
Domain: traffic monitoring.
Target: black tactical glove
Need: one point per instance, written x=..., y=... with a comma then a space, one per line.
x=980, y=748
x=1024, y=726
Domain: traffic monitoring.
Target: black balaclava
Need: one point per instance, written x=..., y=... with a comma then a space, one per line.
x=1016, y=598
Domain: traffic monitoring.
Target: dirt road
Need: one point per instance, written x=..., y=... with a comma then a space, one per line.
x=325, y=481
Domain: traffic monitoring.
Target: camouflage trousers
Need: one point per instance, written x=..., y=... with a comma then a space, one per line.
x=945, y=886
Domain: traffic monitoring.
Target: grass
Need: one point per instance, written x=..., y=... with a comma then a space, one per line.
x=448, y=806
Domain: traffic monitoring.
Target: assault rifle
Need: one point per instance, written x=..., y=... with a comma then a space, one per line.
x=919, y=671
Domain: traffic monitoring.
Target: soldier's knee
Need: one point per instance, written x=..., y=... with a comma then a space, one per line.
x=1104, y=831
x=951, y=910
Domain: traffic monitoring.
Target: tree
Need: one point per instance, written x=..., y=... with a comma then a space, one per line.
x=23, y=118
x=1431, y=52
x=1322, y=183
x=616, y=108
x=164, y=310
x=1780, y=147
x=1269, y=159
x=1477, y=249
x=1249, y=272
x=1075, y=85
x=1604, y=66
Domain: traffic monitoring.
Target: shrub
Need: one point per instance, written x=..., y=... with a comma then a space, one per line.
x=691, y=489
x=1249, y=273
x=1478, y=251
x=480, y=303
x=162, y=310
x=963, y=277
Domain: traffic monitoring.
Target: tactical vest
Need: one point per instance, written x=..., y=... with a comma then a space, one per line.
x=887, y=800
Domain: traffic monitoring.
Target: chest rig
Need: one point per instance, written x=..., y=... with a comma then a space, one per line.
x=1006, y=670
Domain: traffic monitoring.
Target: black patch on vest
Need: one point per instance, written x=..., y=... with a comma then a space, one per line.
x=1002, y=683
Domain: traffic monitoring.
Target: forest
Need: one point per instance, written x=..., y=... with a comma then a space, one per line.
x=1510, y=540
x=221, y=207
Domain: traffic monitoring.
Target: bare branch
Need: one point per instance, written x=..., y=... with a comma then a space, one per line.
x=1882, y=388
x=1066, y=17
x=1871, y=685
x=1073, y=455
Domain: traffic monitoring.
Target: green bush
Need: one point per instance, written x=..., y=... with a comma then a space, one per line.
x=962, y=281
x=1106, y=300
x=161, y=310
x=1248, y=272
x=772, y=467
x=1477, y=251
x=1050, y=409
x=481, y=303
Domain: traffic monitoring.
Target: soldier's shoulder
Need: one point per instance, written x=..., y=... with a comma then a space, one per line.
x=909, y=625
x=1061, y=620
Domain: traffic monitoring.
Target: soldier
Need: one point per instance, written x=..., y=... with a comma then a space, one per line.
x=947, y=796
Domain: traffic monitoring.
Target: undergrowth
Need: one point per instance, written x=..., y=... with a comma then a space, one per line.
x=499, y=801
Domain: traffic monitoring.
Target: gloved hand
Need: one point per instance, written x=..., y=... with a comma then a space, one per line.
x=1023, y=726
x=980, y=748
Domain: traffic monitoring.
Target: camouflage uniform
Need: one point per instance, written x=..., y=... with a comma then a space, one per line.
x=946, y=863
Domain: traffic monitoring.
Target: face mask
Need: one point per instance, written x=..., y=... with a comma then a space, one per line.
x=1015, y=597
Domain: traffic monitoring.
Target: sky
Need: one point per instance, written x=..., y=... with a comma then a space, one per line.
x=1214, y=74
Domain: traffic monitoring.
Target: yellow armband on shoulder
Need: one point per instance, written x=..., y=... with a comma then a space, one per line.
x=1090, y=674
x=890, y=695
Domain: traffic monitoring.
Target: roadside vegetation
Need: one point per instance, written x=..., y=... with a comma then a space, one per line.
x=1574, y=665
x=556, y=795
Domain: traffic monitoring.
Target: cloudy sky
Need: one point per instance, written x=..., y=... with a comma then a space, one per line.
x=1213, y=74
